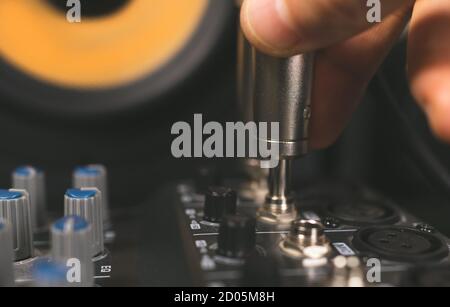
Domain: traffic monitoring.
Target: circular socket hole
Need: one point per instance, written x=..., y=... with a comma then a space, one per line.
x=400, y=243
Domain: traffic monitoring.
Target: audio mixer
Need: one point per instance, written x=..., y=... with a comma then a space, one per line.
x=37, y=248
x=344, y=234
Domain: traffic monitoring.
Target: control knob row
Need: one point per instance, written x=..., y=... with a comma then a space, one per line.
x=6, y=255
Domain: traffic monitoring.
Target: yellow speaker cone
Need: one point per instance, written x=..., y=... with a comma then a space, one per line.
x=99, y=52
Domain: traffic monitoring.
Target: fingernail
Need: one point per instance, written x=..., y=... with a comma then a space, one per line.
x=266, y=19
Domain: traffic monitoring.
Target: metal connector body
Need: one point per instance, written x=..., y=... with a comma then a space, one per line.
x=282, y=93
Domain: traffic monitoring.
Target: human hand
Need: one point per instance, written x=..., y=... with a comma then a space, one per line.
x=350, y=49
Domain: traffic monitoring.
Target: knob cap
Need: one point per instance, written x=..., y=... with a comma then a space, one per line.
x=219, y=201
x=94, y=176
x=32, y=180
x=87, y=203
x=47, y=273
x=6, y=255
x=72, y=239
x=236, y=236
x=15, y=209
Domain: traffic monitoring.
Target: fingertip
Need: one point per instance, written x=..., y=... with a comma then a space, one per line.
x=265, y=27
x=434, y=95
x=438, y=114
x=324, y=131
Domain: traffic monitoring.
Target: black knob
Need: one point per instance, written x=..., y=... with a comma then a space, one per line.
x=219, y=201
x=236, y=236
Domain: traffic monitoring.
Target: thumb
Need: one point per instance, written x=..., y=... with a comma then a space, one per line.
x=287, y=27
